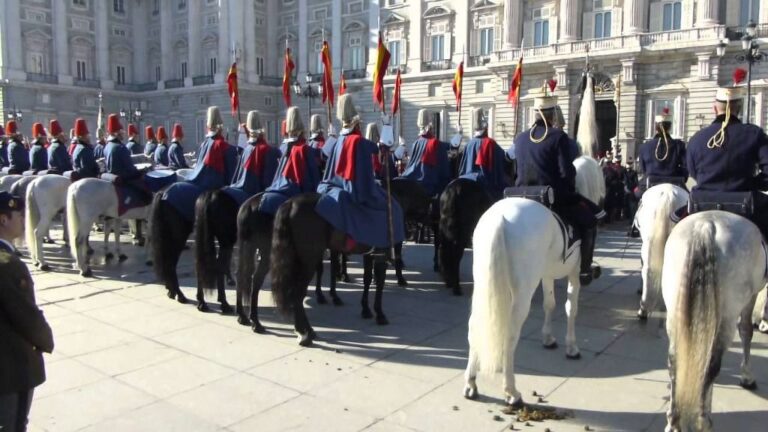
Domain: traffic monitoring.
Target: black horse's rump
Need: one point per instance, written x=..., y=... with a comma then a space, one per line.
x=216, y=221
x=462, y=203
x=169, y=236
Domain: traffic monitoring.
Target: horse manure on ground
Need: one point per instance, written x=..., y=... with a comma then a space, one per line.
x=534, y=413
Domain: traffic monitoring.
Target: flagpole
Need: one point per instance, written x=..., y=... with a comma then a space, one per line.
x=517, y=95
x=461, y=86
x=390, y=222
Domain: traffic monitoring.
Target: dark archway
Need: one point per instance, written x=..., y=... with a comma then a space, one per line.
x=605, y=112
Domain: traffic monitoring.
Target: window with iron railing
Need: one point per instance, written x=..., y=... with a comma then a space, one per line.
x=672, y=16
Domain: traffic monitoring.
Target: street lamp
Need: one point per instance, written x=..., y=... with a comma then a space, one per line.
x=16, y=115
x=309, y=92
x=751, y=55
x=132, y=114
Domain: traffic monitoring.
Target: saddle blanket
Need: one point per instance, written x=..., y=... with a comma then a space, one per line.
x=182, y=196
x=236, y=194
x=131, y=197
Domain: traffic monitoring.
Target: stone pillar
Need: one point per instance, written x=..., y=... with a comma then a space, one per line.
x=303, y=54
x=61, y=43
x=704, y=65
x=569, y=20
x=706, y=13
x=336, y=40
x=139, y=39
x=634, y=16
x=461, y=31
x=102, y=45
x=193, y=40
x=628, y=71
x=249, y=48
x=513, y=23
x=763, y=12
x=415, y=36
x=274, y=53
x=12, y=36
x=224, y=58
x=167, y=63
x=374, y=9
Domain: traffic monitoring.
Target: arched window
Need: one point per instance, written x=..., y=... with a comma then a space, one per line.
x=355, y=46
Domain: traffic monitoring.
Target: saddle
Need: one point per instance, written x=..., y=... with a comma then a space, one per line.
x=740, y=203
x=543, y=195
x=651, y=181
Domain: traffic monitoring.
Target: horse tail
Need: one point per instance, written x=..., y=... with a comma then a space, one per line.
x=448, y=228
x=31, y=219
x=160, y=244
x=246, y=253
x=662, y=226
x=695, y=329
x=73, y=222
x=489, y=322
x=284, y=269
x=205, y=241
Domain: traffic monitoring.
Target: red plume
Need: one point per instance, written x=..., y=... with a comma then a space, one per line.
x=552, y=84
x=665, y=111
x=739, y=75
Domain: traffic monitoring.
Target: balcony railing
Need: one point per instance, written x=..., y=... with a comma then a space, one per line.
x=479, y=60
x=146, y=86
x=736, y=33
x=437, y=65
x=174, y=83
x=202, y=80
x=87, y=83
x=43, y=78
x=316, y=77
x=271, y=81
x=354, y=74
x=127, y=87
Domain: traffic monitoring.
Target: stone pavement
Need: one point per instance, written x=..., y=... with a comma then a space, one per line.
x=129, y=359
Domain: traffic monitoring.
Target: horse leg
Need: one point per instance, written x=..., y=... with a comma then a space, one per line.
x=673, y=417
x=571, y=310
x=519, y=313
x=344, y=275
x=301, y=324
x=120, y=256
x=108, y=226
x=399, y=265
x=335, y=264
x=256, y=283
x=380, y=273
x=367, y=276
x=38, y=250
x=437, y=241
x=319, y=280
x=763, y=326
x=704, y=422
x=225, y=258
x=745, y=333
x=548, y=290
x=470, y=375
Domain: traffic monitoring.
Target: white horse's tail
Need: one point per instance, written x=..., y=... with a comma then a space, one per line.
x=73, y=222
x=697, y=322
x=31, y=219
x=662, y=226
x=489, y=323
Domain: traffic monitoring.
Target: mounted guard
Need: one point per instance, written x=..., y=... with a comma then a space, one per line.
x=38, y=154
x=161, y=151
x=380, y=164
x=119, y=169
x=428, y=164
x=133, y=143
x=83, y=160
x=662, y=158
x=18, y=157
x=58, y=160
x=150, y=141
x=176, y=159
x=483, y=160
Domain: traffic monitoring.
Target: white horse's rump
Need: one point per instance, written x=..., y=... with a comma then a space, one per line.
x=654, y=223
x=714, y=266
x=517, y=244
x=7, y=181
x=45, y=197
x=590, y=182
x=87, y=199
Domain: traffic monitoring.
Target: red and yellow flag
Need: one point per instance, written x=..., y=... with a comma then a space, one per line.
x=396, y=94
x=234, y=98
x=382, y=62
x=287, y=70
x=342, y=84
x=457, y=83
x=327, y=74
x=514, y=85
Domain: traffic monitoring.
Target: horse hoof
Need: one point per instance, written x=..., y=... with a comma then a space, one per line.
x=305, y=340
x=149, y=263
x=122, y=257
x=243, y=320
x=576, y=356
x=457, y=292
x=337, y=301
x=596, y=272
x=763, y=326
x=642, y=314
x=230, y=282
x=226, y=309
x=109, y=256
x=258, y=328
x=436, y=269
x=139, y=242
x=90, y=252
x=748, y=384
x=45, y=267
x=401, y=282
x=470, y=392
x=171, y=295
x=367, y=314
x=345, y=278
x=321, y=299
x=87, y=273
x=203, y=307
x=181, y=299
x=516, y=404
x=382, y=320
x=551, y=345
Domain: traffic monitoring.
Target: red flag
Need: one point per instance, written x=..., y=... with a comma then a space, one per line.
x=457, y=84
x=514, y=85
x=327, y=74
x=396, y=94
x=234, y=98
x=342, y=84
x=382, y=62
x=287, y=70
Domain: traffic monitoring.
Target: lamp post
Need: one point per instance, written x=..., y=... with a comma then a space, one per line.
x=751, y=55
x=132, y=114
x=309, y=92
x=16, y=115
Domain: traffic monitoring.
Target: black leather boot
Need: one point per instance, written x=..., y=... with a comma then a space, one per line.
x=588, y=272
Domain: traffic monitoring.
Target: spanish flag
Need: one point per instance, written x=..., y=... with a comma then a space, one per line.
x=382, y=62
x=327, y=74
x=287, y=70
x=234, y=98
x=396, y=95
x=342, y=84
x=514, y=85
x=457, y=82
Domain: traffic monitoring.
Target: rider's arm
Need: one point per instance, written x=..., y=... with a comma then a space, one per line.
x=565, y=163
x=762, y=153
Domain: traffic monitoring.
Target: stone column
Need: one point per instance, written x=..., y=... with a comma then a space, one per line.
x=336, y=40
x=303, y=54
x=193, y=40
x=274, y=53
x=374, y=9
x=415, y=36
x=568, y=16
x=61, y=43
x=513, y=23
x=763, y=12
x=167, y=63
x=139, y=38
x=706, y=13
x=102, y=45
x=249, y=49
x=461, y=32
x=12, y=36
x=634, y=16
x=222, y=63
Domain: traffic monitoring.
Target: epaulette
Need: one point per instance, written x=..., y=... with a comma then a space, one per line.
x=5, y=257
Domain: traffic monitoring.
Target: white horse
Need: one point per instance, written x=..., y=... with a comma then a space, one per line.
x=714, y=266
x=518, y=244
x=653, y=221
x=8, y=180
x=590, y=182
x=45, y=198
x=87, y=200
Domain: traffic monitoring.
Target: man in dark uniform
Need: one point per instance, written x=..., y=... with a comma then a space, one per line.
x=176, y=159
x=18, y=156
x=661, y=155
x=161, y=151
x=150, y=142
x=24, y=333
x=429, y=165
x=3, y=149
x=58, y=159
x=101, y=145
x=317, y=139
x=83, y=160
x=119, y=166
x=380, y=162
x=483, y=159
x=544, y=158
x=38, y=154
x=133, y=143
x=723, y=156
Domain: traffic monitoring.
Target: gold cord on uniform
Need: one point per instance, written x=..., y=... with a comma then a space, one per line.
x=546, y=129
x=666, y=145
x=718, y=139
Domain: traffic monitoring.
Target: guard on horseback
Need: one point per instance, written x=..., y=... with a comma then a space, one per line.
x=297, y=171
x=38, y=154
x=133, y=143
x=120, y=170
x=352, y=201
x=258, y=163
x=3, y=148
x=723, y=156
x=58, y=159
x=161, y=152
x=18, y=157
x=101, y=144
x=150, y=141
x=544, y=158
x=428, y=164
x=662, y=155
x=83, y=160
x=317, y=140
x=176, y=159
x=380, y=163
x=483, y=160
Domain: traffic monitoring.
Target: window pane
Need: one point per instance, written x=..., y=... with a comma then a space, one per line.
x=598, y=25
x=537, y=33
x=678, y=16
x=667, y=23
x=607, y=24
x=545, y=33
